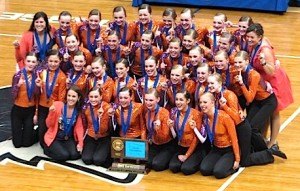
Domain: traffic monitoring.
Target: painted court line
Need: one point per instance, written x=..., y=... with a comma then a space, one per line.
x=282, y=127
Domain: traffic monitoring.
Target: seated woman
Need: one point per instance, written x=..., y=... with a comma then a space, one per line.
x=96, y=148
x=161, y=142
x=189, y=153
x=224, y=157
x=64, y=137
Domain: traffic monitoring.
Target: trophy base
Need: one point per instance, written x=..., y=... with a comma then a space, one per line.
x=129, y=168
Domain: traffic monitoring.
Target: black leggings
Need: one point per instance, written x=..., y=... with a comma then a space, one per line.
x=218, y=162
x=42, y=115
x=258, y=116
x=23, y=134
x=191, y=165
x=247, y=158
x=160, y=155
x=62, y=150
x=96, y=152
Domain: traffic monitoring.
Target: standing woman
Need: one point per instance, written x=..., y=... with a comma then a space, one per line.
x=60, y=34
x=201, y=82
x=39, y=39
x=122, y=27
x=64, y=136
x=189, y=153
x=25, y=94
x=263, y=60
x=240, y=33
x=196, y=57
x=224, y=158
x=161, y=142
x=90, y=33
x=96, y=148
x=129, y=116
x=52, y=82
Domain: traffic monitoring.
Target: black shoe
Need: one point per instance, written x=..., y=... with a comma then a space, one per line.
x=275, y=151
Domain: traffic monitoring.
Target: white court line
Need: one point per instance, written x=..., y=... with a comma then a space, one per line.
x=10, y=35
x=287, y=56
x=282, y=127
x=2, y=87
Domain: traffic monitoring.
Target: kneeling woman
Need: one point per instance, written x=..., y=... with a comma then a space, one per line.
x=188, y=155
x=64, y=137
x=161, y=143
x=96, y=148
x=224, y=158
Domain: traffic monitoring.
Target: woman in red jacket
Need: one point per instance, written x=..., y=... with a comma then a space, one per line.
x=64, y=137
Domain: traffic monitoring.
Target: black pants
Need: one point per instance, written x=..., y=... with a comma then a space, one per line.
x=191, y=165
x=258, y=116
x=42, y=115
x=244, y=134
x=62, y=150
x=160, y=155
x=23, y=134
x=97, y=152
x=218, y=162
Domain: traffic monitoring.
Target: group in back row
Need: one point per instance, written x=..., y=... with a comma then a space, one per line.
x=203, y=98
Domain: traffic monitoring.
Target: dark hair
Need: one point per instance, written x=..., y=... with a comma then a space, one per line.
x=79, y=53
x=145, y=6
x=31, y=54
x=192, y=32
x=95, y=12
x=257, y=28
x=99, y=59
x=170, y=12
x=188, y=10
x=186, y=94
x=95, y=89
x=247, y=19
x=120, y=8
x=149, y=32
x=176, y=39
x=64, y=13
x=123, y=61
x=53, y=52
x=114, y=32
x=125, y=89
x=38, y=15
x=79, y=103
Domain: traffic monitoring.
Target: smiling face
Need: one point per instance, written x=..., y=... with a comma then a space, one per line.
x=195, y=57
x=72, y=98
x=64, y=22
x=119, y=17
x=146, y=41
x=174, y=49
x=224, y=44
x=213, y=85
x=188, y=42
x=240, y=64
x=151, y=101
x=176, y=75
x=144, y=16
x=206, y=103
x=40, y=24
x=95, y=97
x=78, y=62
x=202, y=74
x=168, y=20
x=221, y=62
x=30, y=63
x=94, y=21
x=150, y=67
x=72, y=43
x=53, y=62
x=218, y=23
x=181, y=102
x=113, y=42
x=121, y=70
x=124, y=99
x=243, y=25
x=186, y=20
x=253, y=39
x=97, y=69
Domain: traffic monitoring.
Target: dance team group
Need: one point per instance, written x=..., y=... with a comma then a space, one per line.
x=203, y=98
